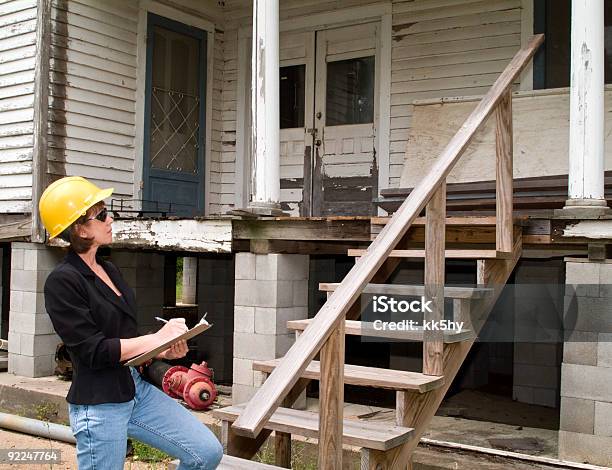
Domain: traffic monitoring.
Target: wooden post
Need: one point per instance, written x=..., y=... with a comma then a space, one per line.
x=435, y=234
x=503, y=186
x=41, y=112
x=331, y=400
x=282, y=449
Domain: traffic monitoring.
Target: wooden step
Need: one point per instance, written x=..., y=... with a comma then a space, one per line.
x=449, y=254
x=305, y=423
x=451, y=292
x=359, y=328
x=233, y=463
x=367, y=376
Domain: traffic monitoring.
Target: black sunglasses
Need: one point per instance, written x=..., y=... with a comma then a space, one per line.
x=101, y=216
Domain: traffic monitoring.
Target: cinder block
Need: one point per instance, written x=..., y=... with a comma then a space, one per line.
x=605, y=280
x=242, y=393
x=266, y=267
x=14, y=339
x=588, y=382
x=523, y=353
x=536, y=376
x=274, y=320
x=39, y=345
x=580, y=348
x=245, y=292
x=300, y=293
x=588, y=314
x=546, y=397
x=124, y=259
x=28, y=366
x=577, y=415
x=283, y=343
x=30, y=260
x=33, y=302
x=546, y=354
x=603, y=418
x=293, y=267
x=587, y=448
x=263, y=293
x=244, y=319
x=583, y=278
x=604, y=350
x=24, y=280
x=267, y=320
x=31, y=323
x=254, y=346
x=16, y=300
x=17, y=255
x=243, y=371
x=522, y=394
x=244, y=267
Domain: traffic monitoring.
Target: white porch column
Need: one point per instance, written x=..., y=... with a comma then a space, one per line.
x=586, y=147
x=265, y=99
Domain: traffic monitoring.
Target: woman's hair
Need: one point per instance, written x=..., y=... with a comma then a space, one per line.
x=77, y=243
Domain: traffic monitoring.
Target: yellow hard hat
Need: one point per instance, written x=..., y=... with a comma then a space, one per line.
x=67, y=199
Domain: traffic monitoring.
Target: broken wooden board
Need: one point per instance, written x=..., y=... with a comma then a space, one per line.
x=199, y=236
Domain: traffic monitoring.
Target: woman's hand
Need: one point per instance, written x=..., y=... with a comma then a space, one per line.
x=175, y=327
x=176, y=351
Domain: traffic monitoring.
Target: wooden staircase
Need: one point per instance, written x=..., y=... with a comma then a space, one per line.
x=419, y=394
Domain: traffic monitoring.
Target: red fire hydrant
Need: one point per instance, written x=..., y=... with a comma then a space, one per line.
x=193, y=384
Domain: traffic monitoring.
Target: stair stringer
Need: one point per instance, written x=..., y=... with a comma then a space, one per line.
x=420, y=408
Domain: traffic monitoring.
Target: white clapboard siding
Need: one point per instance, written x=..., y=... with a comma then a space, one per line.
x=445, y=48
x=93, y=71
x=17, y=61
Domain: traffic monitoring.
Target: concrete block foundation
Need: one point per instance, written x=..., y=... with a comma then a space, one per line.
x=270, y=289
x=585, y=433
x=32, y=341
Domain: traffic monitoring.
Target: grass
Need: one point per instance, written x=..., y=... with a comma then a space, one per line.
x=300, y=460
x=146, y=453
x=179, y=279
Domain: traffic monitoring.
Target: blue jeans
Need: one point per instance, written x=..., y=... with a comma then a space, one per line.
x=152, y=417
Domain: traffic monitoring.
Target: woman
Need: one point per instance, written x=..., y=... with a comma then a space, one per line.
x=93, y=311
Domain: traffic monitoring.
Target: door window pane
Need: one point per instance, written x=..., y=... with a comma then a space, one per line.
x=350, y=91
x=292, y=89
x=175, y=101
x=553, y=17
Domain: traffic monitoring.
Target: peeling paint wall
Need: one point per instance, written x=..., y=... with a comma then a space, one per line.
x=17, y=62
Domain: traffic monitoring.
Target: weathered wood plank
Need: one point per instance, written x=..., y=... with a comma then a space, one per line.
x=455, y=292
x=304, y=423
x=331, y=400
x=433, y=341
x=201, y=236
x=451, y=254
x=366, y=376
x=358, y=230
x=504, y=164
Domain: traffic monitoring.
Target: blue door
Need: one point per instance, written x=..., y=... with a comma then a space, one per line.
x=175, y=104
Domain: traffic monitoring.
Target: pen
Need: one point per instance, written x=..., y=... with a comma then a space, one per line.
x=161, y=319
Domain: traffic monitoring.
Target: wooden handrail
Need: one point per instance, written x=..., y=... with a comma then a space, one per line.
x=270, y=395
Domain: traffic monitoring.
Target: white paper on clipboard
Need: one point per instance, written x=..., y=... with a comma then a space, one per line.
x=144, y=357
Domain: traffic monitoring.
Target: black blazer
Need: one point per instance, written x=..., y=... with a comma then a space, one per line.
x=90, y=319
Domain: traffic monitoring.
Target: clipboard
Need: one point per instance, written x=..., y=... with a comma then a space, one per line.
x=144, y=357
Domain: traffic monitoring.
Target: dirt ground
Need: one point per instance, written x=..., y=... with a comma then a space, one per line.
x=15, y=440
